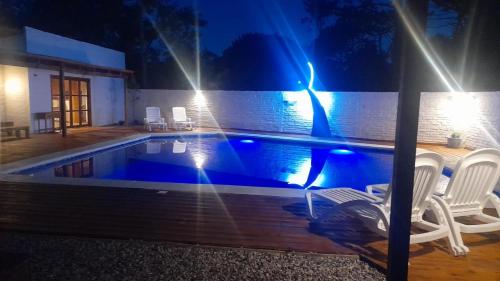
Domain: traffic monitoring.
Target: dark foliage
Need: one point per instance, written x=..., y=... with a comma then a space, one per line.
x=134, y=27
x=353, y=49
x=256, y=62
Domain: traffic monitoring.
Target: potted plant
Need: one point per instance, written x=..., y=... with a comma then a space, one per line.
x=455, y=140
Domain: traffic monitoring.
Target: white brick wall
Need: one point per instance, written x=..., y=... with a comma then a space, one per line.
x=367, y=115
x=482, y=111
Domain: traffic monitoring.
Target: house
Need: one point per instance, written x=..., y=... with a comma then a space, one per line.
x=31, y=65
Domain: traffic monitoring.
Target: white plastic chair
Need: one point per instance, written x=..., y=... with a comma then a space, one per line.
x=179, y=147
x=469, y=191
x=375, y=211
x=181, y=119
x=153, y=118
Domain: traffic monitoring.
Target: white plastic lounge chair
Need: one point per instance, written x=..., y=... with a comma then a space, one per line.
x=375, y=211
x=469, y=191
x=153, y=118
x=181, y=119
x=179, y=147
x=153, y=147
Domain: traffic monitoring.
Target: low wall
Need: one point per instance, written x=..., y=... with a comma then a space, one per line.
x=477, y=116
x=366, y=115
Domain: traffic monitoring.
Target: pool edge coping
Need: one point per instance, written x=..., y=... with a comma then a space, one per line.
x=6, y=170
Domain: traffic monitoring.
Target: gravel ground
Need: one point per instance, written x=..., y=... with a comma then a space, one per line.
x=71, y=258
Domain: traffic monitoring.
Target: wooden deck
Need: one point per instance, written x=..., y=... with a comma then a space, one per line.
x=40, y=144
x=214, y=219
x=225, y=219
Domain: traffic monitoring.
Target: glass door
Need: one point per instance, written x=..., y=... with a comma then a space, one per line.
x=76, y=101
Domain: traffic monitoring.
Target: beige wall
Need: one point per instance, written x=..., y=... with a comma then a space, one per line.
x=14, y=99
x=107, y=96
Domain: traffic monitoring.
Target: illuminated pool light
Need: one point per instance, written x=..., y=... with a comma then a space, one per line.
x=247, y=141
x=341, y=151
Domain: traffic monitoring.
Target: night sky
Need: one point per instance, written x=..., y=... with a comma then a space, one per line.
x=228, y=19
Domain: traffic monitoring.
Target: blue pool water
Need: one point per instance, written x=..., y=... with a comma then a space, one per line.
x=233, y=161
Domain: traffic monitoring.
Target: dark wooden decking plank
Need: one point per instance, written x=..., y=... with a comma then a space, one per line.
x=226, y=219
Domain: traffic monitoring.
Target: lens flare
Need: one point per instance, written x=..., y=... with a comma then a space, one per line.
x=301, y=106
x=199, y=160
x=442, y=71
x=299, y=176
x=199, y=98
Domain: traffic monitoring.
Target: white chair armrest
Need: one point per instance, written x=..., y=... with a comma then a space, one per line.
x=378, y=188
x=163, y=120
x=146, y=121
x=189, y=119
x=441, y=185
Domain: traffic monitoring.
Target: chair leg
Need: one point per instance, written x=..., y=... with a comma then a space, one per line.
x=495, y=201
x=310, y=208
x=444, y=217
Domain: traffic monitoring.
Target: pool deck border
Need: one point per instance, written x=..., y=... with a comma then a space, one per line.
x=6, y=170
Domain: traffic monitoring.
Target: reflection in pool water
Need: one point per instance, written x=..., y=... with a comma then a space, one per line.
x=232, y=161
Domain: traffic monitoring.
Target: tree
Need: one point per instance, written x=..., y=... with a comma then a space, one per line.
x=256, y=62
x=475, y=39
x=133, y=26
x=361, y=33
x=319, y=11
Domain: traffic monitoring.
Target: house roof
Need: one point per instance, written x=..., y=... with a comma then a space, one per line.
x=53, y=63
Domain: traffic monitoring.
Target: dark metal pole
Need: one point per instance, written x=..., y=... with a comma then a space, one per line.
x=62, y=110
x=125, y=98
x=406, y=141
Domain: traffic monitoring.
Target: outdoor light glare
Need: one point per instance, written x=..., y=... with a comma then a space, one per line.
x=199, y=160
x=301, y=102
x=300, y=175
x=319, y=180
x=462, y=111
x=13, y=85
x=199, y=98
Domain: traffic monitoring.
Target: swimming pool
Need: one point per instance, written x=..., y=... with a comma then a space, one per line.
x=235, y=161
